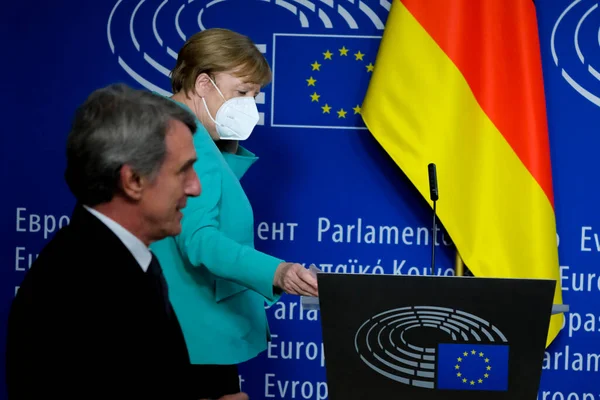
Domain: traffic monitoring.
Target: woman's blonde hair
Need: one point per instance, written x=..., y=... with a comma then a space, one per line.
x=219, y=50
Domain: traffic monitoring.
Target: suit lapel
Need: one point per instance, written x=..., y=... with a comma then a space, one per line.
x=105, y=247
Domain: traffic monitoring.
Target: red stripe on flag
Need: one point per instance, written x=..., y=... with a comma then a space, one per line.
x=494, y=43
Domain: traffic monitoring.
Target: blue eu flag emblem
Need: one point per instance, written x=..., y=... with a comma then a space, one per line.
x=320, y=81
x=472, y=367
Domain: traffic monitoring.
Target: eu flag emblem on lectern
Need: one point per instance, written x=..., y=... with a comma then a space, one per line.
x=472, y=367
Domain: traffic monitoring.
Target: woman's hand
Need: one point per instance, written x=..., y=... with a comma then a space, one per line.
x=293, y=278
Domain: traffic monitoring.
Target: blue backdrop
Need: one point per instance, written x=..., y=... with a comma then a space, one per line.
x=319, y=172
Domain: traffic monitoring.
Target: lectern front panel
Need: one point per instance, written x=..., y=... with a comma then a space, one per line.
x=430, y=338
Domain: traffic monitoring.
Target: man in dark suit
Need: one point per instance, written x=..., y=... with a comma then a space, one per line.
x=92, y=318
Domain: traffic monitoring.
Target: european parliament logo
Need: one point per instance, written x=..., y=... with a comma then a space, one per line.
x=146, y=35
x=574, y=48
x=319, y=81
x=434, y=347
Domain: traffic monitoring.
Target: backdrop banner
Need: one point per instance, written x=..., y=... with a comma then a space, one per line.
x=323, y=190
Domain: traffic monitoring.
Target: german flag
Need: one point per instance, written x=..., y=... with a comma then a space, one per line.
x=459, y=83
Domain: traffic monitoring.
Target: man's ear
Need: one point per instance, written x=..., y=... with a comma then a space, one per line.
x=132, y=183
x=203, y=85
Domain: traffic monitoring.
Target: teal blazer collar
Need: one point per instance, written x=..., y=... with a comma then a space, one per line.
x=240, y=162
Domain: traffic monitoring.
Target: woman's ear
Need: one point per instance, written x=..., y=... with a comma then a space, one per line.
x=203, y=85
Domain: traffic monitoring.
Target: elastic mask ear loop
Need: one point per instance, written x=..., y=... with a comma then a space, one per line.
x=208, y=112
x=216, y=87
x=206, y=106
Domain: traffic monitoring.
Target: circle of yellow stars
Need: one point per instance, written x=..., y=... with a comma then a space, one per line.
x=328, y=55
x=464, y=379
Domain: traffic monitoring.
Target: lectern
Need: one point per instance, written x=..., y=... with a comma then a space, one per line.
x=432, y=338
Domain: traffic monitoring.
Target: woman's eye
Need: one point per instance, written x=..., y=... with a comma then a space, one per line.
x=242, y=92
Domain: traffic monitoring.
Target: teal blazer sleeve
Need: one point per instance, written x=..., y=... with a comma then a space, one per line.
x=202, y=241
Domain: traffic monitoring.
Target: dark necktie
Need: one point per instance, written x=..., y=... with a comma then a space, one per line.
x=159, y=283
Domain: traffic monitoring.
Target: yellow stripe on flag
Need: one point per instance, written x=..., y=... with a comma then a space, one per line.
x=421, y=109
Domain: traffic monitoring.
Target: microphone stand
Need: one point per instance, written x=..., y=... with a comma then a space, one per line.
x=433, y=194
x=433, y=239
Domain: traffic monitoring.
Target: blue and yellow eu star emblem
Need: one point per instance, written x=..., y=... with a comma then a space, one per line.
x=472, y=367
x=320, y=81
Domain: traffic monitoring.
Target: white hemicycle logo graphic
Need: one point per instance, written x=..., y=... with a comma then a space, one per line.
x=571, y=46
x=323, y=13
x=382, y=343
x=145, y=35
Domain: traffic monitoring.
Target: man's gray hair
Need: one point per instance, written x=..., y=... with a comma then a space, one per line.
x=118, y=125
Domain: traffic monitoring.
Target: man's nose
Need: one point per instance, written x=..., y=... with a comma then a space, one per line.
x=194, y=187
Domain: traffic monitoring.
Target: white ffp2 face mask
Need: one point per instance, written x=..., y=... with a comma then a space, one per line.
x=236, y=118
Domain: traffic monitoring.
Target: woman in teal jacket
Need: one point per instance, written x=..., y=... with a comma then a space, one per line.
x=218, y=282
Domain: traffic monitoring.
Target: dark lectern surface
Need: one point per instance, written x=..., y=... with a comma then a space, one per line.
x=430, y=338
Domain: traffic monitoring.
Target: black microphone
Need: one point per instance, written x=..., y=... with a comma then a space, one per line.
x=434, y=195
x=433, y=187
